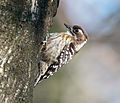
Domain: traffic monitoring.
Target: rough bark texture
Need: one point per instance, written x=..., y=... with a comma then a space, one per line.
x=20, y=38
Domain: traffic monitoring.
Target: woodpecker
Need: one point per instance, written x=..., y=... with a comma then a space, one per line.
x=58, y=49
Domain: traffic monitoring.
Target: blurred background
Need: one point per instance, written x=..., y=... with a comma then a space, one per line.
x=93, y=76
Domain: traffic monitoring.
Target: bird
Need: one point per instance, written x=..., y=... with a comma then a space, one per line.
x=58, y=49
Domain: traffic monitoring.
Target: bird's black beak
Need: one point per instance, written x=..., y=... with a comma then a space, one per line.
x=67, y=26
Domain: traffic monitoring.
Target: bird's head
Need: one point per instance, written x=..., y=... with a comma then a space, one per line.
x=77, y=32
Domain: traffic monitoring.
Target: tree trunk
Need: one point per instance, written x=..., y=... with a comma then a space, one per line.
x=23, y=25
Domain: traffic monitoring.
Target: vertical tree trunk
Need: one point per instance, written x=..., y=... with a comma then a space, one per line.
x=23, y=25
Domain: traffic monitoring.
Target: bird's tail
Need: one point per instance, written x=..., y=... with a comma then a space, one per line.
x=37, y=80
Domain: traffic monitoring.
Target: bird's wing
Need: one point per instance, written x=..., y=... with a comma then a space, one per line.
x=54, y=45
x=64, y=57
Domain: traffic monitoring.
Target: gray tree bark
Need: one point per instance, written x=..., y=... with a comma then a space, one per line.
x=23, y=25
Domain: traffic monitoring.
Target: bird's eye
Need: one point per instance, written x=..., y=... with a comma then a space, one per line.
x=76, y=30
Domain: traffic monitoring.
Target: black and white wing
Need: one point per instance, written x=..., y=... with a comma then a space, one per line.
x=65, y=56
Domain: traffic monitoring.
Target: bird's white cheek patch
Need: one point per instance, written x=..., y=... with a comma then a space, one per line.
x=80, y=31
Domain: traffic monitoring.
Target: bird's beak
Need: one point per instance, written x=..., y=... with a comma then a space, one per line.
x=68, y=26
x=69, y=29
